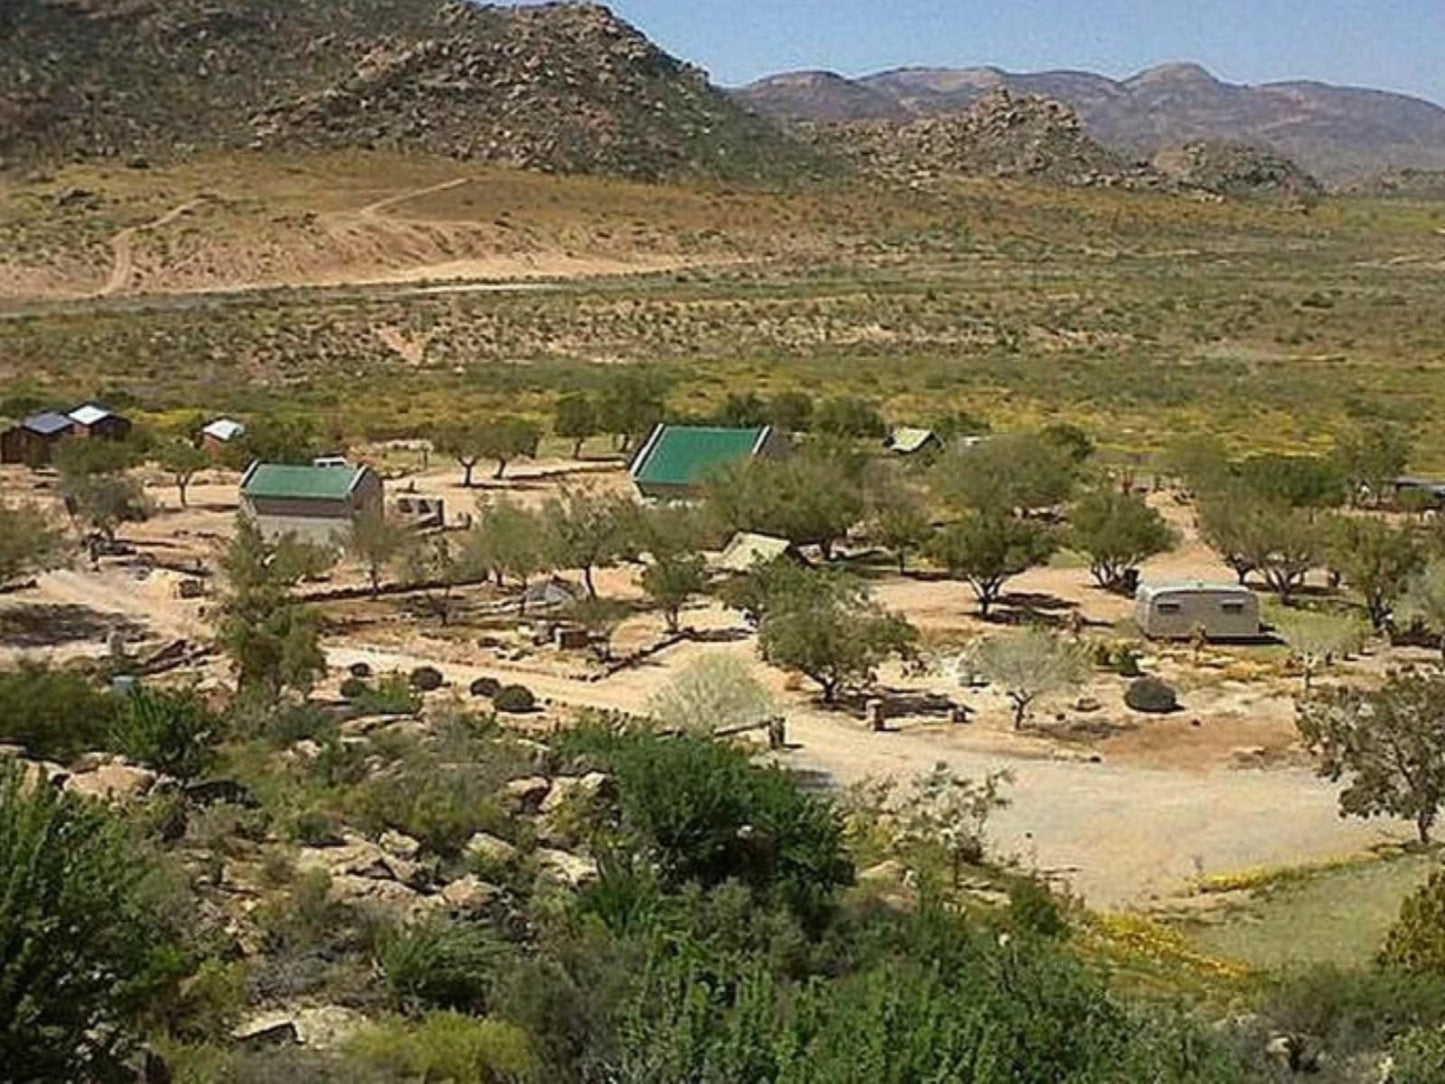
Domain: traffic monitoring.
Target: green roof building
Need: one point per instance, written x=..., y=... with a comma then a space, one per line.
x=316, y=504
x=676, y=460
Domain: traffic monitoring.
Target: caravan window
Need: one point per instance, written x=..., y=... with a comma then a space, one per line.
x=1169, y=607
x=1232, y=607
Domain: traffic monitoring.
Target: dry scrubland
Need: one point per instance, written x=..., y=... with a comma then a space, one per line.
x=1135, y=315
x=394, y=861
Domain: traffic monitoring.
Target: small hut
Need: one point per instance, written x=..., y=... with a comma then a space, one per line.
x=908, y=441
x=95, y=422
x=220, y=435
x=33, y=441
x=746, y=551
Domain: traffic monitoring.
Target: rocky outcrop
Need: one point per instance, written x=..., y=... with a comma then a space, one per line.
x=558, y=87
x=1236, y=170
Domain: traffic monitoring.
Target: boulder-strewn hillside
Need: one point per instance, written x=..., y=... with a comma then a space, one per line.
x=557, y=87
x=1427, y=184
x=1336, y=133
x=1004, y=135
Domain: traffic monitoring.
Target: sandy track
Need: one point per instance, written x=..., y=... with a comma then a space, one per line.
x=123, y=247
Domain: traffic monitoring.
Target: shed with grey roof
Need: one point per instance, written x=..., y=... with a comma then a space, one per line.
x=1175, y=611
x=33, y=441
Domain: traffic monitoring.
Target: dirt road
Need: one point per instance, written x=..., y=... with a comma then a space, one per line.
x=123, y=247
x=1120, y=835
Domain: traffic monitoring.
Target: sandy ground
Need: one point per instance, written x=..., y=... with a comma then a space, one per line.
x=1171, y=799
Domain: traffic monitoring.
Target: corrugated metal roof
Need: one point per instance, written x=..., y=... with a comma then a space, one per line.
x=744, y=550
x=315, y=483
x=48, y=424
x=224, y=429
x=908, y=440
x=89, y=414
x=681, y=455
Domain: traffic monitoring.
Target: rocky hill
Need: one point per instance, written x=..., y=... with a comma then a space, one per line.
x=1335, y=133
x=1038, y=138
x=555, y=87
x=1423, y=184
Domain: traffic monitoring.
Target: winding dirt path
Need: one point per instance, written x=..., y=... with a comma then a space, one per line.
x=374, y=210
x=123, y=246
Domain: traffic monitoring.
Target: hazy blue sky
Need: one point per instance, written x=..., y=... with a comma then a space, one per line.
x=1392, y=44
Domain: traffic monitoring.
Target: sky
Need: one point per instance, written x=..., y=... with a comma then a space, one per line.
x=1390, y=44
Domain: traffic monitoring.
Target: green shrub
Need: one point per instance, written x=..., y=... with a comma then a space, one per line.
x=1419, y=1057
x=1416, y=942
x=172, y=732
x=442, y=964
x=439, y=807
x=1034, y=909
x=485, y=686
x=392, y=695
x=426, y=678
x=1151, y=696
x=514, y=699
x=354, y=687
x=52, y=714
x=76, y=940
x=449, y=1047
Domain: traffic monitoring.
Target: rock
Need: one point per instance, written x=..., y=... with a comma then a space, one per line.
x=306, y=749
x=399, y=846
x=216, y=791
x=489, y=848
x=890, y=872
x=469, y=893
x=526, y=795
x=358, y=857
x=572, y=870
x=1087, y=704
x=327, y=1027
x=113, y=783
x=591, y=787
x=392, y=897
x=266, y=1030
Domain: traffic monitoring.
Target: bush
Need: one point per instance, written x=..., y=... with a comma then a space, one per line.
x=75, y=934
x=52, y=714
x=392, y=695
x=1033, y=908
x=172, y=732
x=486, y=686
x=442, y=964
x=359, y=670
x=515, y=699
x=426, y=679
x=1416, y=942
x=449, y=1046
x=1127, y=663
x=353, y=688
x=1152, y=696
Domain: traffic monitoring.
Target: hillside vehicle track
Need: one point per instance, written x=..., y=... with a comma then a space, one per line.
x=123, y=246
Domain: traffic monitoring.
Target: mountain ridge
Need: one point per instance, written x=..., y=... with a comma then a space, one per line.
x=556, y=87
x=1338, y=133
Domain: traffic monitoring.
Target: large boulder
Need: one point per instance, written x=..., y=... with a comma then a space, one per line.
x=469, y=894
x=526, y=795
x=593, y=786
x=113, y=783
x=568, y=869
x=491, y=849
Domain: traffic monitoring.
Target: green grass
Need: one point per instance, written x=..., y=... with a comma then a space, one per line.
x=1336, y=916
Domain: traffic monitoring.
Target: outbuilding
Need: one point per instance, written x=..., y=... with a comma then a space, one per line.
x=315, y=504
x=909, y=441
x=95, y=422
x=746, y=551
x=1176, y=611
x=33, y=441
x=220, y=435
x=676, y=460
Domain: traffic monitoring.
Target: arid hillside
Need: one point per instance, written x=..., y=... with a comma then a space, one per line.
x=559, y=87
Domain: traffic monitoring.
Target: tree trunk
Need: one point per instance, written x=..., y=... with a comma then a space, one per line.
x=467, y=475
x=375, y=575
x=902, y=562
x=181, y=488
x=1020, y=708
x=587, y=579
x=577, y=448
x=501, y=469
x=1424, y=821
